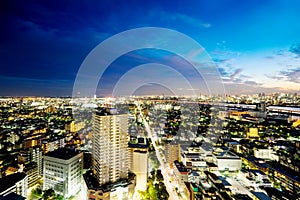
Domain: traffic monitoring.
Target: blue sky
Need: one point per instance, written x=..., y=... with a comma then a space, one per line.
x=255, y=44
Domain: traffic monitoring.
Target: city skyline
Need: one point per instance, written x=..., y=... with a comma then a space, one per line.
x=255, y=45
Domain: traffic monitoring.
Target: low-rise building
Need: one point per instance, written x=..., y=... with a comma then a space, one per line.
x=122, y=189
x=287, y=178
x=31, y=169
x=254, y=178
x=226, y=160
x=51, y=144
x=14, y=183
x=193, y=161
x=256, y=163
x=180, y=173
x=265, y=153
x=260, y=196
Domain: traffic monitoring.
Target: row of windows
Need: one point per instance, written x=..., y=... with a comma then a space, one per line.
x=52, y=165
x=55, y=170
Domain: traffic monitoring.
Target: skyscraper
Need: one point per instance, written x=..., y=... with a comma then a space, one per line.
x=172, y=152
x=110, y=139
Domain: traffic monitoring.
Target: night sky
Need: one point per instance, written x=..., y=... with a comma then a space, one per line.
x=255, y=44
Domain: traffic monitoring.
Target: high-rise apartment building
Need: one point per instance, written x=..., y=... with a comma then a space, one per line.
x=110, y=141
x=172, y=152
x=36, y=155
x=33, y=154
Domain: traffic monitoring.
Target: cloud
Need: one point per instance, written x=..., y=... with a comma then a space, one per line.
x=223, y=71
x=292, y=75
x=253, y=83
x=269, y=57
x=220, y=60
x=236, y=88
x=190, y=20
x=289, y=64
x=295, y=48
x=230, y=73
x=174, y=17
x=236, y=73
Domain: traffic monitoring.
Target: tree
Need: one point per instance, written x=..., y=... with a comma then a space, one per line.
x=48, y=193
x=37, y=191
x=152, y=191
x=153, y=172
x=59, y=197
x=159, y=176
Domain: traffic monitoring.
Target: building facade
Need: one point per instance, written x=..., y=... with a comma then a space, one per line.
x=14, y=183
x=36, y=155
x=172, y=152
x=63, y=171
x=110, y=142
x=51, y=144
x=32, y=173
x=138, y=162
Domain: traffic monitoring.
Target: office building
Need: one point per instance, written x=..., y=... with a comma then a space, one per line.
x=74, y=126
x=63, y=171
x=138, y=162
x=110, y=142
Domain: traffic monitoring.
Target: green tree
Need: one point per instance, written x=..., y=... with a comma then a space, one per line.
x=152, y=192
x=159, y=176
x=48, y=193
x=153, y=172
x=59, y=197
x=37, y=192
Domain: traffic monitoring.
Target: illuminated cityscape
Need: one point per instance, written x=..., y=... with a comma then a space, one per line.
x=161, y=100
x=255, y=153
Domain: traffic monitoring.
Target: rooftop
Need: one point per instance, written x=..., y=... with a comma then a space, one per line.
x=92, y=183
x=261, y=196
x=138, y=145
x=242, y=197
x=90, y=180
x=104, y=111
x=258, y=161
x=255, y=172
x=286, y=171
x=181, y=168
x=12, y=196
x=10, y=180
x=63, y=153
